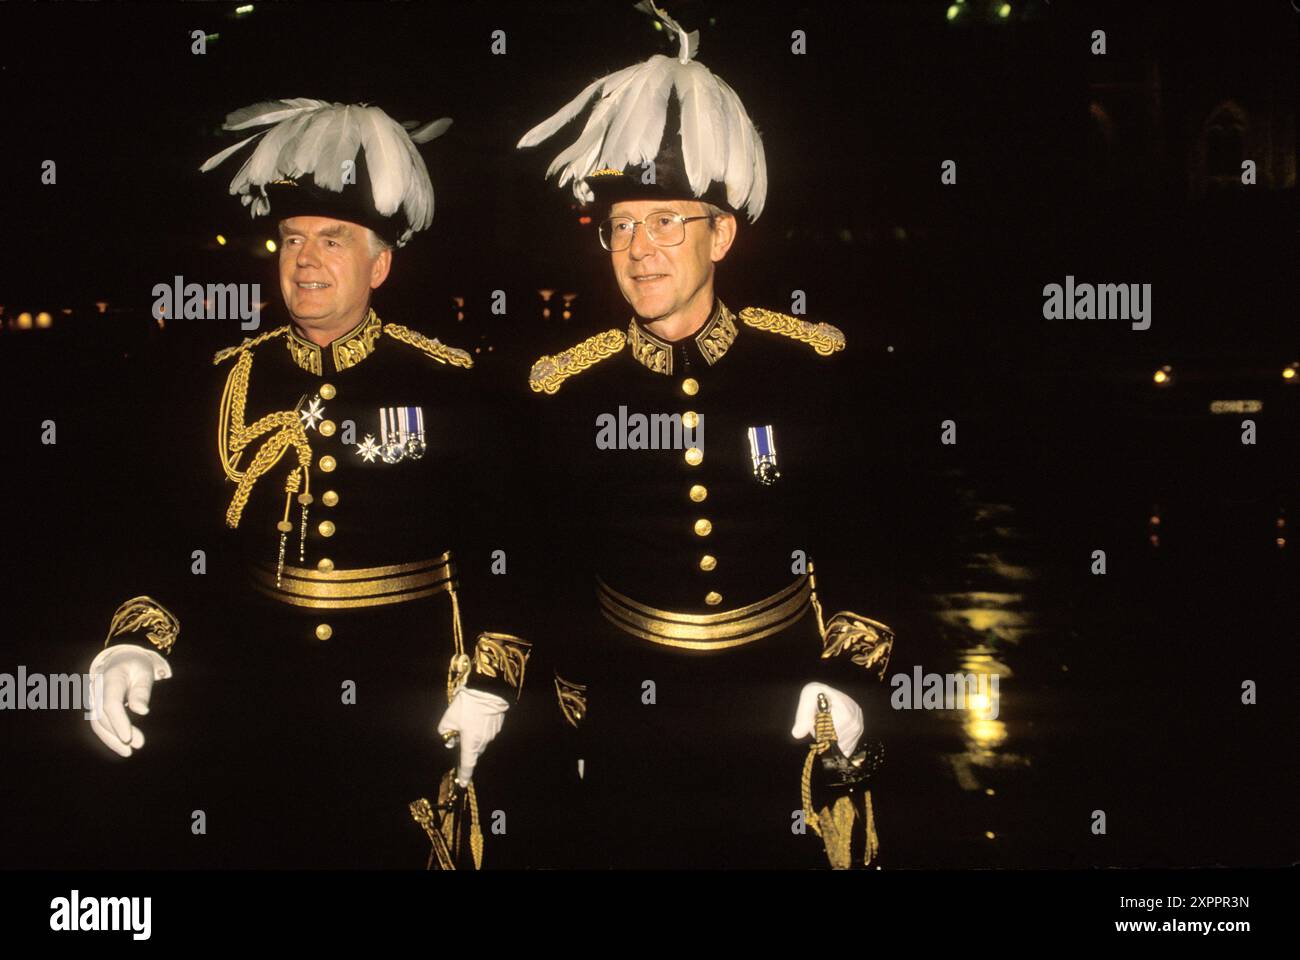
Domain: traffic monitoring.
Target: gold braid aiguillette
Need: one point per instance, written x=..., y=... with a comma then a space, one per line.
x=285, y=431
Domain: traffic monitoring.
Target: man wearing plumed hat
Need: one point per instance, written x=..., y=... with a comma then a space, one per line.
x=351, y=450
x=714, y=695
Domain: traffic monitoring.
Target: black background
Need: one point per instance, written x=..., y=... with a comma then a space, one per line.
x=1058, y=420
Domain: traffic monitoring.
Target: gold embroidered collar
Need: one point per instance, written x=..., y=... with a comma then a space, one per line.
x=713, y=340
x=347, y=351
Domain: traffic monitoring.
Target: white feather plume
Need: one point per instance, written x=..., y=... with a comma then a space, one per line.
x=626, y=126
x=316, y=137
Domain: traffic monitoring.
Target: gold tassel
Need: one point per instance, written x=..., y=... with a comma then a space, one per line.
x=873, y=840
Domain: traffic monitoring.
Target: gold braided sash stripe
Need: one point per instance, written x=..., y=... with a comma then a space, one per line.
x=362, y=587
x=712, y=631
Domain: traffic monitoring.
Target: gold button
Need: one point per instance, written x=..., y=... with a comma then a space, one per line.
x=698, y=492
x=327, y=391
x=329, y=498
x=703, y=528
x=324, y=631
x=690, y=386
x=690, y=419
x=707, y=563
x=327, y=428
x=694, y=455
x=328, y=463
x=326, y=528
x=713, y=598
x=324, y=564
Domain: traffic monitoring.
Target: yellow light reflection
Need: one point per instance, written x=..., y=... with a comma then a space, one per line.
x=986, y=733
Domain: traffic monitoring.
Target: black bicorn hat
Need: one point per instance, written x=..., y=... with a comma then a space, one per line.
x=667, y=128
x=346, y=161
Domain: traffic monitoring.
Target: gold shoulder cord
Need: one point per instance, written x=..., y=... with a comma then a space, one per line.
x=433, y=348
x=549, y=372
x=822, y=337
x=233, y=436
x=223, y=355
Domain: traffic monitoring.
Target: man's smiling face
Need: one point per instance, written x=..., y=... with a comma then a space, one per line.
x=327, y=272
x=660, y=282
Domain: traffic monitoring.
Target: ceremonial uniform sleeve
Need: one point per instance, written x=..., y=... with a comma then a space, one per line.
x=857, y=537
x=156, y=551
x=554, y=526
x=492, y=607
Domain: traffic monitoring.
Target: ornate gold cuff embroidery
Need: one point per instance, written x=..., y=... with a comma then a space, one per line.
x=867, y=642
x=147, y=614
x=503, y=655
x=572, y=698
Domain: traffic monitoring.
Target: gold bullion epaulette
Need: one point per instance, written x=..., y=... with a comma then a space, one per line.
x=822, y=337
x=431, y=347
x=551, y=371
x=248, y=344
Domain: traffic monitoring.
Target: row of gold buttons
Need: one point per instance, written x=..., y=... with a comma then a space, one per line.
x=330, y=498
x=698, y=492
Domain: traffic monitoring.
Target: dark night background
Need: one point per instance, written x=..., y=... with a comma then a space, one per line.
x=1119, y=692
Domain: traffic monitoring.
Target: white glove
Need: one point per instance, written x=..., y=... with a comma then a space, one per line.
x=845, y=714
x=476, y=718
x=125, y=673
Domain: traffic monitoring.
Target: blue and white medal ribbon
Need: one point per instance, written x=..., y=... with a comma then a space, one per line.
x=762, y=454
x=401, y=433
x=415, y=446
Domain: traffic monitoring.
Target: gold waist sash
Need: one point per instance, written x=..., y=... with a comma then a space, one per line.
x=360, y=587
x=706, y=631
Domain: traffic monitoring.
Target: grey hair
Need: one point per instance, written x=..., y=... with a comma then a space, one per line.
x=376, y=244
x=712, y=211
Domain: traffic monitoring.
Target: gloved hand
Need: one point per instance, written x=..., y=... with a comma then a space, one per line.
x=125, y=674
x=476, y=717
x=845, y=714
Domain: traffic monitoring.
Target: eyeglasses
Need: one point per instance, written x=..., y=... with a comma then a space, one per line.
x=664, y=229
